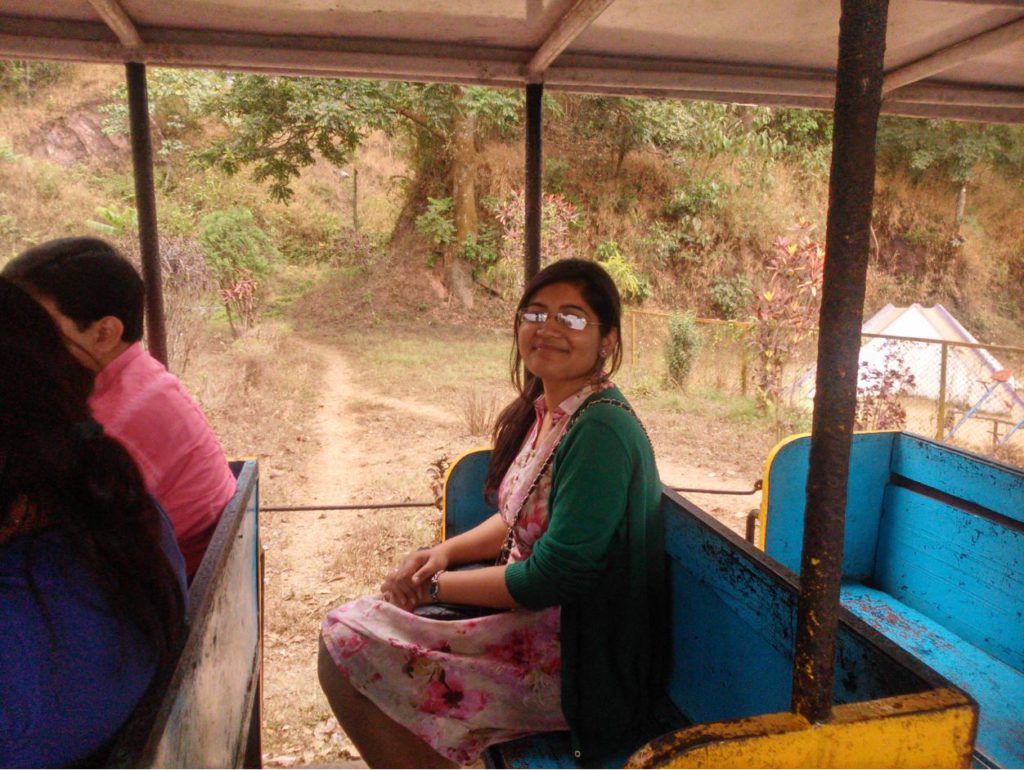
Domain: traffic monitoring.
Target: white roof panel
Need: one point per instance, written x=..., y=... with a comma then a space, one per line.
x=766, y=51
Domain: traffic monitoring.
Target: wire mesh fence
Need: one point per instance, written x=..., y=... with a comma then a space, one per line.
x=967, y=394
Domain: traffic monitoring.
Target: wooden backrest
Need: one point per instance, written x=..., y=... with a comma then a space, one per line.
x=951, y=544
x=733, y=621
x=783, y=501
x=939, y=529
x=970, y=478
x=208, y=713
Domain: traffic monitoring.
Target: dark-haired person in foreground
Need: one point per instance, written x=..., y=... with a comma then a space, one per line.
x=92, y=584
x=582, y=647
x=96, y=298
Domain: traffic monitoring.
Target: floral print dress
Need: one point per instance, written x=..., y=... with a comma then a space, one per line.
x=464, y=685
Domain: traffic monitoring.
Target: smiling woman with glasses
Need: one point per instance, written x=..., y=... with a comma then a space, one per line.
x=576, y=555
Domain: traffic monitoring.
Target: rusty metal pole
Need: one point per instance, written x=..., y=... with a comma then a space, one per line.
x=851, y=190
x=145, y=205
x=534, y=166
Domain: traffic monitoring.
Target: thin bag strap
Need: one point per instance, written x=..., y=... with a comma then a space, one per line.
x=506, y=548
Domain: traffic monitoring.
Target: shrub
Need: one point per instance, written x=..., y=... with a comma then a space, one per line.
x=7, y=153
x=784, y=308
x=633, y=285
x=438, y=221
x=660, y=243
x=21, y=78
x=703, y=196
x=481, y=249
x=479, y=411
x=559, y=218
x=187, y=285
x=879, y=392
x=239, y=255
x=681, y=347
x=730, y=296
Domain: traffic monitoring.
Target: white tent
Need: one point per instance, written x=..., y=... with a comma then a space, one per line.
x=969, y=370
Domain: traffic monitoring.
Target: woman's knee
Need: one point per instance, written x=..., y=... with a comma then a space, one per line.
x=327, y=670
x=333, y=682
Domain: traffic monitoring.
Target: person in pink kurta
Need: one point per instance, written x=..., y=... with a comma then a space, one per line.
x=146, y=408
x=95, y=297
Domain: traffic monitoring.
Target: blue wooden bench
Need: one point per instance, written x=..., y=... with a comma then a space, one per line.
x=733, y=620
x=208, y=713
x=933, y=559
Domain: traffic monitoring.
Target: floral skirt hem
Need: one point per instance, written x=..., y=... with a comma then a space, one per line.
x=462, y=685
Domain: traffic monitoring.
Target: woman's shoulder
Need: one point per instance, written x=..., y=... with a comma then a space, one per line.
x=606, y=419
x=610, y=408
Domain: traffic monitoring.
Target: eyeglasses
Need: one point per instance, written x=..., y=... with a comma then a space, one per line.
x=569, y=320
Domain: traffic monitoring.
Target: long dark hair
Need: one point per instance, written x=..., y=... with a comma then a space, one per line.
x=512, y=425
x=56, y=464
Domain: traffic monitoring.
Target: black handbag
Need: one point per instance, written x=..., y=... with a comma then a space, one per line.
x=448, y=611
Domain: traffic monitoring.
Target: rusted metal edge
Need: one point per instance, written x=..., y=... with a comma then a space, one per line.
x=755, y=488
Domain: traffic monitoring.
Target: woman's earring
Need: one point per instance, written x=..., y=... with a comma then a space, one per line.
x=603, y=353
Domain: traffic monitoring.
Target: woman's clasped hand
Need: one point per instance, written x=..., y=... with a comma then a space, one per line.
x=408, y=586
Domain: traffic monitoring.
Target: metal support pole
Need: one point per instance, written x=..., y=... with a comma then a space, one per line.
x=355, y=199
x=851, y=190
x=145, y=205
x=940, y=418
x=534, y=167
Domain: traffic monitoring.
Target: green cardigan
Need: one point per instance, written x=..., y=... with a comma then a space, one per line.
x=602, y=559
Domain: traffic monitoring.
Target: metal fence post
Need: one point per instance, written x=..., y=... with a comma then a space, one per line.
x=940, y=418
x=632, y=336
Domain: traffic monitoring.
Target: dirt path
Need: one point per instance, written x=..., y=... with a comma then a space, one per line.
x=318, y=560
x=300, y=558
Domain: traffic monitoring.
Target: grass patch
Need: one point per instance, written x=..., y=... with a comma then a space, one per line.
x=444, y=363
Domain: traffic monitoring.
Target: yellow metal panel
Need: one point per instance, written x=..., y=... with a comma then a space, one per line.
x=762, y=519
x=930, y=729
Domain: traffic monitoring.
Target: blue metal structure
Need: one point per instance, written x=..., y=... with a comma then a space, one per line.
x=933, y=559
x=462, y=504
x=733, y=621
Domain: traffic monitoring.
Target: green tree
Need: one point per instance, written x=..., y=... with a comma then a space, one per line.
x=954, y=151
x=179, y=101
x=278, y=125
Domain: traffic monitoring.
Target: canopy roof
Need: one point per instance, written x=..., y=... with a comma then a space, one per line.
x=961, y=59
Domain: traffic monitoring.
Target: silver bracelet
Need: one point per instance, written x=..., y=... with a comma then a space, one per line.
x=434, y=586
